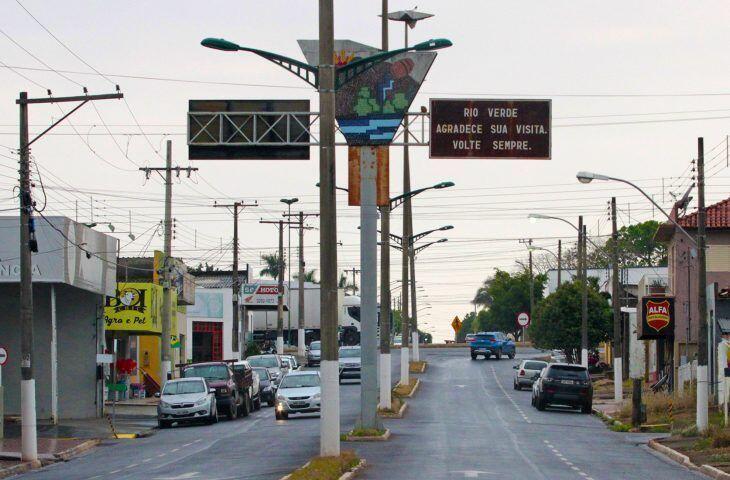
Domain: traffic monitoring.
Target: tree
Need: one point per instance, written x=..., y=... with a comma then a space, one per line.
x=557, y=323
x=509, y=295
x=271, y=260
x=203, y=269
x=637, y=247
x=309, y=276
x=351, y=287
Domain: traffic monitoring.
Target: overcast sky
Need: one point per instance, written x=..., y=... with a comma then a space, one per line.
x=628, y=81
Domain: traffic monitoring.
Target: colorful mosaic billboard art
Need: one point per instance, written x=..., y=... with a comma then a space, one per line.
x=370, y=107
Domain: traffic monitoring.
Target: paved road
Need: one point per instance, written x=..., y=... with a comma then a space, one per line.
x=466, y=422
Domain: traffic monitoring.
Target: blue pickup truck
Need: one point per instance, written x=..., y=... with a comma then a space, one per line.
x=491, y=343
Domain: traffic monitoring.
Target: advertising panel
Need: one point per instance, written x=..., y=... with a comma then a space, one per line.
x=490, y=129
x=136, y=308
x=262, y=295
x=657, y=318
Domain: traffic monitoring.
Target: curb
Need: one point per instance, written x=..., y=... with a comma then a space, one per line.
x=399, y=414
x=420, y=370
x=352, y=473
x=17, y=469
x=373, y=438
x=413, y=391
x=713, y=472
x=671, y=453
x=72, y=452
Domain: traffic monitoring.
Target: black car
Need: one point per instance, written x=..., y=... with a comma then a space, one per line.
x=563, y=384
x=267, y=388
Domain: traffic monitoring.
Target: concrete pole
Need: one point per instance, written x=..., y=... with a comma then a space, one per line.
x=54, y=358
x=385, y=379
x=532, y=296
x=618, y=387
x=584, y=302
x=280, y=303
x=369, y=287
x=329, y=368
x=301, y=342
x=560, y=261
x=288, y=279
x=29, y=442
x=407, y=232
x=165, y=363
x=414, y=304
x=702, y=347
x=235, y=287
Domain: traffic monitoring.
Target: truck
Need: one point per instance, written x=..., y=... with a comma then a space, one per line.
x=263, y=321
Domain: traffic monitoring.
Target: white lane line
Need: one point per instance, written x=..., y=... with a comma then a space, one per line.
x=512, y=401
x=131, y=465
x=187, y=444
x=560, y=456
x=115, y=471
x=161, y=455
x=146, y=460
x=174, y=450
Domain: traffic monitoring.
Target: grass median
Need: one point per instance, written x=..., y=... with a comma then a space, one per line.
x=327, y=468
x=405, y=390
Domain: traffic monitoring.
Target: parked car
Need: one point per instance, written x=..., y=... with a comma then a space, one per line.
x=250, y=382
x=272, y=362
x=266, y=385
x=186, y=400
x=293, y=363
x=491, y=343
x=314, y=353
x=398, y=340
x=350, y=362
x=299, y=392
x=527, y=371
x=469, y=337
x=563, y=384
x=558, y=356
x=228, y=386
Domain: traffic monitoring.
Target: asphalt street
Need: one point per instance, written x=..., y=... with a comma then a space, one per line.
x=465, y=422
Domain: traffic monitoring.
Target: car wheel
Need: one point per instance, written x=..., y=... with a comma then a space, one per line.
x=257, y=403
x=162, y=424
x=540, y=404
x=232, y=409
x=473, y=356
x=487, y=356
x=282, y=416
x=498, y=355
x=511, y=355
x=587, y=407
x=517, y=386
x=271, y=402
x=245, y=407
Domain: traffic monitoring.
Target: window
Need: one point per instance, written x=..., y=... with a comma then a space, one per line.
x=315, y=346
x=354, y=312
x=300, y=381
x=208, y=372
x=262, y=373
x=567, y=372
x=268, y=362
x=350, y=353
x=182, y=388
x=534, y=365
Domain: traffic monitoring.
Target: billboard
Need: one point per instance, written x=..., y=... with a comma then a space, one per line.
x=243, y=130
x=490, y=129
x=135, y=308
x=657, y=318
x=262, y=296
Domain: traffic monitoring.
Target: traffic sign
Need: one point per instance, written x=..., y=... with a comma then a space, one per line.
x=499, y=129
x=523, y=320
x=456, y=324
x=3, y=356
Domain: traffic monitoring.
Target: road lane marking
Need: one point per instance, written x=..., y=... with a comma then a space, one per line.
x=187, y=444
x=131, y=465
x=512, y=401
x=560, y=456
x=161, y=455
x=146, y=460
x=115, y=471
x=174, y=450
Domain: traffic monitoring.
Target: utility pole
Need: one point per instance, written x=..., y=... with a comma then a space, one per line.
x=236, y=285
x=560, y=260
x=301, y=341
x=702, y=343
x=165, y=348
x=28, y=245
x=289, y=202
x=415, y=340
x=618, y=388
x=528, y=242
x=355, y=272
x=385, y=358
x=329, y=367
x=584, y=302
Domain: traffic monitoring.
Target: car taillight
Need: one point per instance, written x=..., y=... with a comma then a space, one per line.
x=522, y=373
x=550, y=390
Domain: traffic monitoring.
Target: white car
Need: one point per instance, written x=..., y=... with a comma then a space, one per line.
x=350, y=362
x=185, y=400
x=298, y=392
x=527, y=372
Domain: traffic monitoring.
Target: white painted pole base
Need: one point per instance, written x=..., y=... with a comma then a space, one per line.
x=385, y=381
x=584, y=357
x=618, y=380
x=329, y=443
x=301, y=347
x=414, y=342
x=29, y=445
x=165, y=369
x=702, y=398
x=280, y=345
x=404, y=367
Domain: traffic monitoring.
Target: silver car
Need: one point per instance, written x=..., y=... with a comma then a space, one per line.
x=185, y=400
x=299, y=392
x=350, y=362
x=526, y=372
x=314, y=353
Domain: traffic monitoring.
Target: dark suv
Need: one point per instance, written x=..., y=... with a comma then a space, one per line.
x=227, y=385
x=563, y=384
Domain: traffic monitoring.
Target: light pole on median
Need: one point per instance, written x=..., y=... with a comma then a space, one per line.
x=699, y=244
x=289, y=202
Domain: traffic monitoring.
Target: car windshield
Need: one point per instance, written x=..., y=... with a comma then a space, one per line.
x=350, y=353
x=568, y=373
x=181, y=388
x=534, y=365
x=209, y=372
x=315, y=346
x=262, y=372
x=300, y=381
x=268, y=362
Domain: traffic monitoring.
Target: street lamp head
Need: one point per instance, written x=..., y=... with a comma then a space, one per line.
x=446, y=227
x=536, y=216
x=441, y=185
x=588, y=177
x=220, y=44
x=289, y=201
x=111, y=227
x=433, y=44
x=442, y=240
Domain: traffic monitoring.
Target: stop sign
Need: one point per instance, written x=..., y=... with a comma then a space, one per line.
x=523, y=319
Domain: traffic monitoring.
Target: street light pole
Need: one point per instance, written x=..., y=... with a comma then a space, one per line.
x=289, y=202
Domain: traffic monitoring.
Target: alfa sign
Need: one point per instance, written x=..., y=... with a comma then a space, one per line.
x=657, y=318
x=500, y=129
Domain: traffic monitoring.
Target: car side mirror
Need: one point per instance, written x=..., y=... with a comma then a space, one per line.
x=515, y=367
x=211, y=390
x=157, y=394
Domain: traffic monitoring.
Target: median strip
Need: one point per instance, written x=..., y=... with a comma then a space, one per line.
x=407, y=391
x=397, y=409
x=366, y=435
x=329, y=468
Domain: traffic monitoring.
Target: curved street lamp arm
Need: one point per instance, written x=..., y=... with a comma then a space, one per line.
x=397, y=201
x=690, y=237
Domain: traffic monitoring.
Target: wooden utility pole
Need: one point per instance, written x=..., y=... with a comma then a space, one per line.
x=235, y=284
x=165, y=348
x=28, y=245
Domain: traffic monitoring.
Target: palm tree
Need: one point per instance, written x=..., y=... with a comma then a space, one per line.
x=347, y=286
x=482, y=296
x=309, y=276
x=272, y=265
